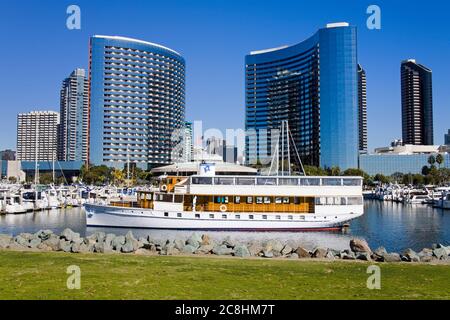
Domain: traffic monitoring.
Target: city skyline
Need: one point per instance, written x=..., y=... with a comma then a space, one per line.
x=224, y=91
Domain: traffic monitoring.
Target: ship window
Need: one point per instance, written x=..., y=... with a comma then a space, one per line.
x=287, y=181
x=290, y=217
x=259, y=200
x=296, y=200
x=166, y=214
x=237, y=216
x=220, y=199
x=331, y=181
x=179, y=215
x=211, y=216
x=224, y=181
x=201, y=180
x=249, y=200
x=352, y=182
x=266, y=181
x=330, y=200
x=277, y=217
x=245, y=181
x=197, y=215
x=278, y=199
x=286, y=200
x=264, y=217
x=302, y=217
x=251, y=217
x=237, y=200
x=224, y=216
x=267, y=200
x=309, y=181
x=343, y=201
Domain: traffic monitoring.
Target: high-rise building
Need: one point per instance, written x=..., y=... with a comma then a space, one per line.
x=187, y=144
x=447, y=138
x=417, y=103
x=37, y=136
x=362, y=109
x=321, y=107
x=8, y=155
x=216, y=146
x=74, y=113
x=137, y=101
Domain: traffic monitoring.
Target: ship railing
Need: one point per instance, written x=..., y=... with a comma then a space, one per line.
x=277, y=181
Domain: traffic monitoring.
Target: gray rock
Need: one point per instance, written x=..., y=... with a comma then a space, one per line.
x=255, y=249
x=130, y=240
x=440, y=253
x=5, y=241
x=330, y=255
x=319, y=253
x=241, y=251
x=99, y=247
x=204, y=249
x=230, y=243
x=20, y=240
x=83, y=248
x=286, y=250
x=171, y=250
x=293, y=256
x=189, y=249
x=118, y=242
x=222, y=250
x=194, y=240
x=378, y=254
x=128, y=247
x=75, y=248
x=27, y=236
x=302, y=253
x=365, y=256
x=348, y=255
x=69, y=235
x=359, y=245
x=34, y=243
x=273, y=245
x=44, y=234
x=53, y=242
x=392, y=257
x=143, y=252
x=267, y=254
x=410, y=256
x=426, y=252
x=179, y=244
x=109, y=239
x=65, y=245
x=427, y=258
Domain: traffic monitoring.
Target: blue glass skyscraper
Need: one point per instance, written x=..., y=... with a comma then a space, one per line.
x=137, y=101
x=314, y=86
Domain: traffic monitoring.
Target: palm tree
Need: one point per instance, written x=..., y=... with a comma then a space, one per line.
x=431, y=160
x=439, y=159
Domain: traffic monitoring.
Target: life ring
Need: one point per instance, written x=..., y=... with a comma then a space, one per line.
x=163, y=187
x=223, y=208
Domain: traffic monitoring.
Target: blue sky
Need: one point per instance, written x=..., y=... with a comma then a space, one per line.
x=38, y=51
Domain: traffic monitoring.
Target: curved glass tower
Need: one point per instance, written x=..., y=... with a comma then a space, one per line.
x=314, y=86
x=137, y=101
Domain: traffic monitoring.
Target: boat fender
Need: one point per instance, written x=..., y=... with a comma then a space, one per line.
x=223, y=208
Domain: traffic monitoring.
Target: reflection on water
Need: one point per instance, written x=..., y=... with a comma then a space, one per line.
x=392, y=225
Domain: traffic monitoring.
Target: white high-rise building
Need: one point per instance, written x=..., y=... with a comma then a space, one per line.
x=37, y=136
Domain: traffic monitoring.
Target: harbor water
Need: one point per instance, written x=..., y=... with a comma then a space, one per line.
x=395, y=226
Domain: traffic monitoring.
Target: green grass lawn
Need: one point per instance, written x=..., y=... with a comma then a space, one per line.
x=30, y=275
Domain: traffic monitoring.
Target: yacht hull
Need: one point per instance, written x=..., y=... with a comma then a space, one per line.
x=109, y=216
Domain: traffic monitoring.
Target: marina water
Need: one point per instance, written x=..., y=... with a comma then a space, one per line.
x=395, y=226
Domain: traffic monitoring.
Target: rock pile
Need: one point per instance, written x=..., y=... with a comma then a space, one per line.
x=198, y=244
